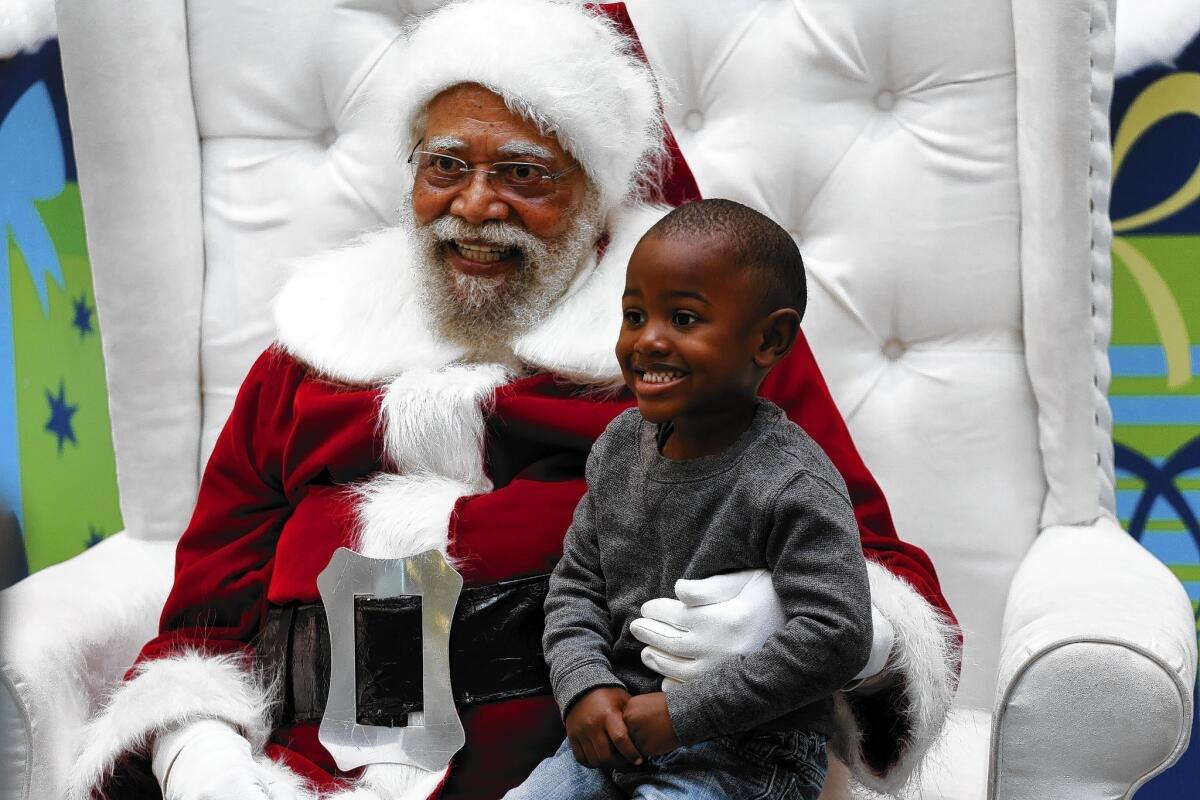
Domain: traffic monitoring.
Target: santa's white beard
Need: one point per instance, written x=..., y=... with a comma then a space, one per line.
x=481, y=312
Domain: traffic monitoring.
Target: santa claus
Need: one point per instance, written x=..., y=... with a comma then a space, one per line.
x=437, y=386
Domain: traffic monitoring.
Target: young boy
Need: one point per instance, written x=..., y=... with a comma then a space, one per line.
x=707, y=478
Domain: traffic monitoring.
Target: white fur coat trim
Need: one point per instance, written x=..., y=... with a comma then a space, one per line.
x=164, y=694
x=434, y=420
x=925, y=654
x=354, y=314
x=402, y=515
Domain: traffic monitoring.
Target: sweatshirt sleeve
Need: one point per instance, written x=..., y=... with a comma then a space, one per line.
x=578, y=639
x=820, y=576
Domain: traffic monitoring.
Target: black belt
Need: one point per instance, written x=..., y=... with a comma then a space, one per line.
x=495, y=652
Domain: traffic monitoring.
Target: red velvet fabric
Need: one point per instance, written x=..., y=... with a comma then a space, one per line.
x=273, y=506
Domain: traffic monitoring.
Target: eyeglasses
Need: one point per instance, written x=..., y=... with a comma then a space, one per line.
x=441, y=171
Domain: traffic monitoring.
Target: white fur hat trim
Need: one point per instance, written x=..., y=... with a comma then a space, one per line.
x=564, y=68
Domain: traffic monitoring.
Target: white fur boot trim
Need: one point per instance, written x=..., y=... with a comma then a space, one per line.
x=402, y=515
x=434, y=420
x=925, y=653
x=164, y=694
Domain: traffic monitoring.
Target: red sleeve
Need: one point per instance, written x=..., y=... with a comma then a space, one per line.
x=796, y=385
x=224, y=559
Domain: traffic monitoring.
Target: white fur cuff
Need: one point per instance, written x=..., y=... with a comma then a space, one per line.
x=925, y=655
x=163, y=695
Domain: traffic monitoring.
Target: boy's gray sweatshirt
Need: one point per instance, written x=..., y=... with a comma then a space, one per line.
x=771, y=500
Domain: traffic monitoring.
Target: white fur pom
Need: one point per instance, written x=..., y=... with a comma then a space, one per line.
x=433, y=420
x=1153, y=32
x=164, y=694
x=402, y=515
x=25, y=25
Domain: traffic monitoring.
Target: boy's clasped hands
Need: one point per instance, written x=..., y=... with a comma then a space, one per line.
x=609, y=729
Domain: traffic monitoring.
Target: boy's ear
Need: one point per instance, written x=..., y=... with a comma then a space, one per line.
x=779, y=331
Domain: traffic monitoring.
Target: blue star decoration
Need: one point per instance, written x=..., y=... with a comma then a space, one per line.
x=60, y=417
x=83, y=316
x=95, y=536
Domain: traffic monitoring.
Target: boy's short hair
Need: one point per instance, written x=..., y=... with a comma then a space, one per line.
x=754, y=240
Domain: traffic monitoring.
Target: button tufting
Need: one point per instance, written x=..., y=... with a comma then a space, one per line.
x=885, y=100
x=694, y=121
x=893, y=349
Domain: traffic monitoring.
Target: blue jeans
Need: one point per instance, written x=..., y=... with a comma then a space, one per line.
x=775, y=765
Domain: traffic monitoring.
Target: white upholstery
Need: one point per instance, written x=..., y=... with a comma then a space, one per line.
x=944, y=167
x=885, y=128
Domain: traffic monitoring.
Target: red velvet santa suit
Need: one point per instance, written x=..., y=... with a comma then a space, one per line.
x=361, y=431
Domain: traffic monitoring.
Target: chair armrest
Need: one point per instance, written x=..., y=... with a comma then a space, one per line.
x=1097, y=668
x=67, y=635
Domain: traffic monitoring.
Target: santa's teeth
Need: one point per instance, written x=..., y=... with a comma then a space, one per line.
x=482, y=253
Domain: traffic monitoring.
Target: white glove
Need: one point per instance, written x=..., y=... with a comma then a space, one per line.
x=728, y=614
x=209, y=760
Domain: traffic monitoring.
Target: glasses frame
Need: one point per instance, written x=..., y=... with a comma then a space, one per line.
x=467, y=167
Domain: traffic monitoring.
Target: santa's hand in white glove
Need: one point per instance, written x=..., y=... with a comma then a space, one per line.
x=209, y=760
x=728, y=614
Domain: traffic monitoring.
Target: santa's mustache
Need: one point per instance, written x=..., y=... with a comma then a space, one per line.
x=494, y=233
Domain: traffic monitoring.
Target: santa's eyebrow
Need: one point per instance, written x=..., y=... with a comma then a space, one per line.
x=522, y=149
x=445, y=143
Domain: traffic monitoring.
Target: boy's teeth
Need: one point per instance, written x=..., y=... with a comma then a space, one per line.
x=661, y=377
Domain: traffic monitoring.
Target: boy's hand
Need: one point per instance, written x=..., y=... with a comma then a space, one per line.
x=649, y=724
x=596, y=730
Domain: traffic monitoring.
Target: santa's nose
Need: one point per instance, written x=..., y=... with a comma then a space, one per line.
x=477, y=202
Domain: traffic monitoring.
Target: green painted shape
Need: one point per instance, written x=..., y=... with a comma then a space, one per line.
x=1162, y=525
x=1186, y=572
x=66, y=496
x=1156, y=441
x=1175, y=258
x=1154, y=386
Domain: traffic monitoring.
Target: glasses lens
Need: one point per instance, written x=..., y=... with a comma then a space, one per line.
x=439, y=169
x=523, y=178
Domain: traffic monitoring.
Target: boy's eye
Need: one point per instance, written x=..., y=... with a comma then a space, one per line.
x=634, y=317
x=683, y=318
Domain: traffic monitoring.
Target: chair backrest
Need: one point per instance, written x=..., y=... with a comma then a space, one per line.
x=942, y=165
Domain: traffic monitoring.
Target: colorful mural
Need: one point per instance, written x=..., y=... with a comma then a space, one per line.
x=1155, y=350
x=57, y=471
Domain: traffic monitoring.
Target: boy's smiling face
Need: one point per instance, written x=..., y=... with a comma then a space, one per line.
x=692, y=331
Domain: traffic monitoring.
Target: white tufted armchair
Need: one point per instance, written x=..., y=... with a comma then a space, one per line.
x=945, y=168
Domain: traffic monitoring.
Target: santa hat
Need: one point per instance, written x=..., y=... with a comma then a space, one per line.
x=564, y=67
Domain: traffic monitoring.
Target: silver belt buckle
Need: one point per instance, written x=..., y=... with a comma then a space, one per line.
x=431, y=741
